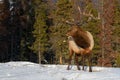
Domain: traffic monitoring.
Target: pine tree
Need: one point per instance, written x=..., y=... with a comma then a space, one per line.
x=26, y=21
x=62, y=13
x=40, y=32
x=4, y=33
x=116, y=33
x=116, y=24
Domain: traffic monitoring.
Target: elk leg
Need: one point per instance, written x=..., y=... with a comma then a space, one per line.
x=69, y=61
x=83, y=62
x=90, y=63
x=76, y=60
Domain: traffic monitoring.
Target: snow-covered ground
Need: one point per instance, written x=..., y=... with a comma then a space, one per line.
x=32, y=71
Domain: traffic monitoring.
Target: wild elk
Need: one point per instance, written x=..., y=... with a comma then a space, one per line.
x=80, y=43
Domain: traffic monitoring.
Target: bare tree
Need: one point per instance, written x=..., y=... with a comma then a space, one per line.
x=107, y=12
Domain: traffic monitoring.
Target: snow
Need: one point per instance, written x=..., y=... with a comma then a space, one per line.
x=32, y=71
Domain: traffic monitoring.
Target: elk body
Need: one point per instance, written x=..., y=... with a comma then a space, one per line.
x=81, y=44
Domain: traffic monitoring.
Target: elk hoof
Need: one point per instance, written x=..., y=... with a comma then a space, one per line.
x=83, y=69
x=68, y=68
x=90, y=70
x=79, y=68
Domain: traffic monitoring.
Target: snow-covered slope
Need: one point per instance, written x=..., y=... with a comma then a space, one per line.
x=32, y=71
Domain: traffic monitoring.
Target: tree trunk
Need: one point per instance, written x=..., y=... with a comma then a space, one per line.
x=39, y=57
x=61, y=60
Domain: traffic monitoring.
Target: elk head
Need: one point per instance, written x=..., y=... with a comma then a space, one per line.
x=75, y=27
x=79, y=35
x=72, y=31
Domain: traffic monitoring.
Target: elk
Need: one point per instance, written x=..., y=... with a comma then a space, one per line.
x=80, y=43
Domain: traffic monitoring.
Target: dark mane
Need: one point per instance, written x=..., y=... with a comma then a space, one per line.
x=80, y=36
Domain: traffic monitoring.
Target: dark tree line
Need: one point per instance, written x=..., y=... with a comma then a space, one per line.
x=17, y=18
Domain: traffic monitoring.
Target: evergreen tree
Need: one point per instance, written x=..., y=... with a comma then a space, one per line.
x=116, y=27
x=4, y=33
x=40, y=32
x=62, y=13
x=116, y=33
x=26, y=21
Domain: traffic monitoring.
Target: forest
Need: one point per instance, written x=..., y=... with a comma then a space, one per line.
x=34, y=30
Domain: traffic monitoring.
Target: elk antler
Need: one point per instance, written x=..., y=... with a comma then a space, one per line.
x=70, y=23
x=75, y=23
x=89, y=14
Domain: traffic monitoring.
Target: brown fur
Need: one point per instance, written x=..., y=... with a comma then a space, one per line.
x=79, y=36
x=80, y=45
